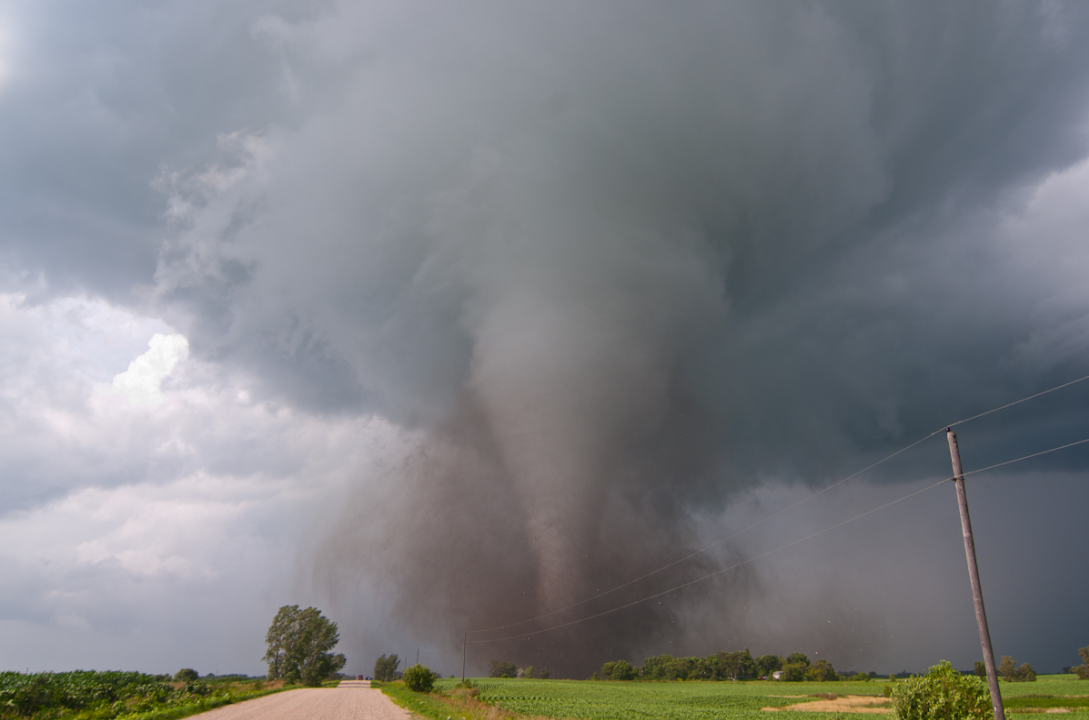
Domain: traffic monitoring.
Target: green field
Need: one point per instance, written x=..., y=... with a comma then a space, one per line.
x=110, y=695
x=589, y=700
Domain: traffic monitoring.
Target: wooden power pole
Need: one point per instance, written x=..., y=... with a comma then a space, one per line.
x=973, y=575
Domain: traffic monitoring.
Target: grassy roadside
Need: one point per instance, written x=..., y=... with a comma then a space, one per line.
x=459, y=704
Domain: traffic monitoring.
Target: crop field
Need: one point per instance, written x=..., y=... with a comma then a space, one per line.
x=589, y=700
x=90, y=695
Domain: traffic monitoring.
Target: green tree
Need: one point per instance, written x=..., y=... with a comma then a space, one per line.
x=186, y=675
x=299, y=642
x=419, y=679
x=821, y=671
x=981, y=669
x=619, y=670
x=385, y=668
x=942, y=693
x=767, y=664
x=502, y=669
x=1083, y=669
x=797, y=658
x=1009, y=670
x=794, y=672
x=529, y=672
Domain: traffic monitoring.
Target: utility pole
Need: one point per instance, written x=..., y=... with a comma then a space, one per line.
x=973, y=575
x=464, y=642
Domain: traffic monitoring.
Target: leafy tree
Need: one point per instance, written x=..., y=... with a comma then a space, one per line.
x=502, y=669
x=981, y=669
x=1083, y=669
x=797, y=658
x=767, y=664
x=861, y=677
x=1009, y=670
x=299, y=642
x=794, y=672
x=186, y=675
x=419, y=678
x=821, y=671
x=385, y=668
x=942, y=693
x=529, y=672
x=619, y=670
x=544, y=673
x=655, y=668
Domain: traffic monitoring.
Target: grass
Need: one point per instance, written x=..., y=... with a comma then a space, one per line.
x=590, y=700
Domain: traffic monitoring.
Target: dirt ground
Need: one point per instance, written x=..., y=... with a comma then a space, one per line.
x=348, y=702
x=842, y=704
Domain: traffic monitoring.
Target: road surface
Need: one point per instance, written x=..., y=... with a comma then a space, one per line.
x=351, y=700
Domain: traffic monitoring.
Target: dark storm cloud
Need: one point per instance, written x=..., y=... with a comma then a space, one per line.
x=617, y=265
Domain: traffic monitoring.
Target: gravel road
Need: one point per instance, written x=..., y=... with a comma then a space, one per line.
x=348, y=702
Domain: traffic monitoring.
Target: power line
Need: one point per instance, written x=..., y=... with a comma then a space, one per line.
x=1026, y=457
x=712, y=574
x=773, y=515
x=1018, y=402
x=712, y=545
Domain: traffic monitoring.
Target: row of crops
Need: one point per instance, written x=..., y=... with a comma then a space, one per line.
x=91, y=695
x=589, y=700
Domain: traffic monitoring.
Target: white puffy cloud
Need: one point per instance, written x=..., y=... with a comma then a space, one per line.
x=164, y=495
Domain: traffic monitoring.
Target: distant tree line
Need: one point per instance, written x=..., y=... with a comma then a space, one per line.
x=738, y=665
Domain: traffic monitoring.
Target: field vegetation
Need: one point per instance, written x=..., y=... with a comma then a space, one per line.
x=91, y=695
x=514, y=699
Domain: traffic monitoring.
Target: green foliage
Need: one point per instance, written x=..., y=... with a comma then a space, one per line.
x=1010, y=672
x=1083, y=669
x=104, y=695
x=797, y=657
x=981, y=669
x=419, y=678
x=502, y=669
x=942, y=693
x=861, y=677
x=794, y=672
x=767, y=664
x=299, y=642
x=544, y=674
x=619, y=670
x=821, y=671
x=385, y=668
x=734, y=666
x=529, y=672
x=186, y=675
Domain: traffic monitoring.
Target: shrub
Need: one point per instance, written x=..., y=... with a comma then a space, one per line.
x=942, y=693
x=186, y=675
x=860, y=677
x=419, y=678
x=529, y=672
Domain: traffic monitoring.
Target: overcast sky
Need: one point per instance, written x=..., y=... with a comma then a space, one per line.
x=445, y=316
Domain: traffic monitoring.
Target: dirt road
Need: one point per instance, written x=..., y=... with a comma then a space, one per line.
x=348, y=702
